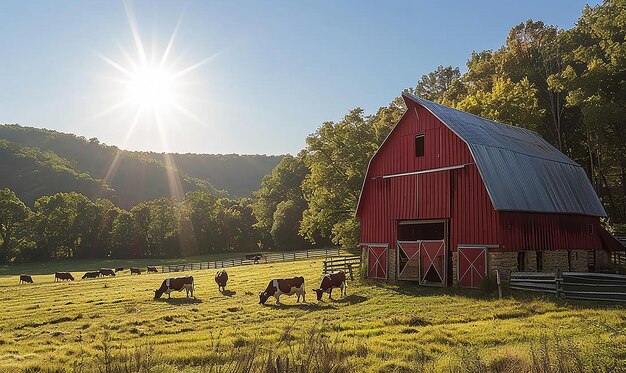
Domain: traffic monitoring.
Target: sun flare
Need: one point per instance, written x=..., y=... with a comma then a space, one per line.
x=151, y=86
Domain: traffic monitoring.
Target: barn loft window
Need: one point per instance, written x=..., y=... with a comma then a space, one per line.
x=419, y=145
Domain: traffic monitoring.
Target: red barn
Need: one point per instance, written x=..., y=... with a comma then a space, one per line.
x=450, y=197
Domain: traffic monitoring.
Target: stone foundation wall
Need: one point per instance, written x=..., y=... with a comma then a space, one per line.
x=455, y=270
x=504, y=262
x=579, y=260
x=391, y=265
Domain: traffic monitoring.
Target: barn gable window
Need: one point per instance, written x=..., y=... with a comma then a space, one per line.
x=419, y=145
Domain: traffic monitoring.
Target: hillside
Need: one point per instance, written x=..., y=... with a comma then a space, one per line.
x=377, y=327
x=136, y=176
x=34, y=173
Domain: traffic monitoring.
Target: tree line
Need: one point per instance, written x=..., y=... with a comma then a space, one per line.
x=568, y=85
x=70, y=225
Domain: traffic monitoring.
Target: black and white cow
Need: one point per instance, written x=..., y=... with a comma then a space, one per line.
x=175, y=284
x=331, y=281
x=221, y=278
x=287, y=286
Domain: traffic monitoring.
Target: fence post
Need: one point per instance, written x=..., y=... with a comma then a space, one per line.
x=499, y=284
x=557, y=281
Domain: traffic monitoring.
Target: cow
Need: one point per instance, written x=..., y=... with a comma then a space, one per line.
x=63, y=276
x=152, y=269
x=119, y=269
x=106, y=272
x=175, y=284
x=94, y=274
x=221, y=277
x=329, y=282
x=287, y=286
x=135, y=270
x=26, y=278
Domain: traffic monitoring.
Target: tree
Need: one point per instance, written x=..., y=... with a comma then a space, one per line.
x=507, y=102
x=122, y=235
x=285, y=233
x=337, y=155
x=594, y=79
x=433, y=85
x=13, y=217
x=281, y=185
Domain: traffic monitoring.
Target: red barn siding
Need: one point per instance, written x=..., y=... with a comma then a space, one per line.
x=434, y=195
x=529, y=231
x=474, y=220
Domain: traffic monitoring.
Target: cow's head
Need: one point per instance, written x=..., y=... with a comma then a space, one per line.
x=319, y=293
x=112, y=273
x=70, y=276
x=158, y=293
x=263, y=296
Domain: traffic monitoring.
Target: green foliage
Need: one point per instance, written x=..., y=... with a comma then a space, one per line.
x=41, y=162
x=507, y=102
x=285, y=230
x=434, y=85
x=14, y=215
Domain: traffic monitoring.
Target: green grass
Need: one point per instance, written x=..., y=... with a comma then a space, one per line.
x=377, y=327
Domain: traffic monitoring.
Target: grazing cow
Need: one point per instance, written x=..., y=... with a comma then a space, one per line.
x=221, y=277
x=94, y=274
x=107, y=272
x=329, y=282
x=63, y=276
x=120, y=269
x=175, y=284
x=152, y=269
x=26, y=278
x=287, y=286
x=135, y=270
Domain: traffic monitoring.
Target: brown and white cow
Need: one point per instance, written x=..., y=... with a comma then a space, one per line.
x=135, y=270
x=107, y=272
x=287, y=286
x=94, y=274
x=152, y=269
x=175, y=284
x=329, y=282
x=26, y=278
x=221, y=278
x=63, y=276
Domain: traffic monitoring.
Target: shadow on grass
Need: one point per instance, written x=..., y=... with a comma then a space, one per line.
x=311, y=307
x=179, y=301
x=351, y=299
x=229, y=293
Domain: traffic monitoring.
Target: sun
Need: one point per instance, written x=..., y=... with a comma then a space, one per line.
x=151, y=86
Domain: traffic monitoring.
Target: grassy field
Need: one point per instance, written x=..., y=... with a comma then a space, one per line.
x=87, y=325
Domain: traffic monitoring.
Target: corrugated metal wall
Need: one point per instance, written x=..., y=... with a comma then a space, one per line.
x=528, y=231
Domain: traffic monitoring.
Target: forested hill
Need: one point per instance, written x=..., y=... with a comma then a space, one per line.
x=36, y=162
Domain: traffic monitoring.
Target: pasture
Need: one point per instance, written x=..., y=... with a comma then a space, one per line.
x=86, y=325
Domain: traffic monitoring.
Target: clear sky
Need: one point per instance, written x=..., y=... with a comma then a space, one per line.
x=267, y=73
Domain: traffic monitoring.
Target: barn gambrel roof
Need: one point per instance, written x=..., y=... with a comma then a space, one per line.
x=521, y=170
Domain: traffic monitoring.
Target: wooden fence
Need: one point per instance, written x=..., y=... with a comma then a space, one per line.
x=573, y=285
x=241, y=261
x=348, y=264
x=619, y=257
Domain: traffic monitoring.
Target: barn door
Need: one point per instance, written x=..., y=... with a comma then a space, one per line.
x=409, y=260
x=433, y=261
x=471, y=266
x=377, y=262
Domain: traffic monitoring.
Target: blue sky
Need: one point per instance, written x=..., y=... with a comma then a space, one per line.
x=276, y=69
